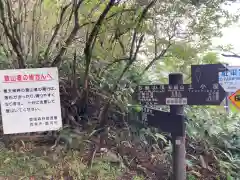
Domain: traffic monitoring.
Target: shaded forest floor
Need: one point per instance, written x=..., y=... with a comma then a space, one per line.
x=23, y=159
x=26, y=160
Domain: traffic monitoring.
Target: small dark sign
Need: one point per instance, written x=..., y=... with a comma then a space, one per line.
x=211, y=95
x=162, y=94
x=183, y=94
x=206, y=74
x=165, y=121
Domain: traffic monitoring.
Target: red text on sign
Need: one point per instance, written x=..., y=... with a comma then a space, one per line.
x=27, y=78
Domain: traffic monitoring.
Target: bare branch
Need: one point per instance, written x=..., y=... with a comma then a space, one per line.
x=70, y=38
x=114, y=62
x=134, y=55
x=103, y=113
x=142, y=16
x=74, y=66
x=163, y=52
x=138, y=47
x=10, y=17
x=93, y=22
x=96, y=28
x=231, y=55
x=104, y=110
x=68, y=21
x=22, y=24
x=5, y=49
x=33, y=30
x=57, y=27
x=92, y=38
x=15, y=44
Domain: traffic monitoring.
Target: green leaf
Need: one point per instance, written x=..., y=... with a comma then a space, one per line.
x=229, y=177
x=138, y=108
x=160, y=136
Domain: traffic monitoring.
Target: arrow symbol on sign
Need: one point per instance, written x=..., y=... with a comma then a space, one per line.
x=202, y=86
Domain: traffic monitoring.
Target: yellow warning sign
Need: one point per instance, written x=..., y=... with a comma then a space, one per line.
x=235, y=99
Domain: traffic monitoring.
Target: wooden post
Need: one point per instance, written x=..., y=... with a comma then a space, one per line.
x=179, y=152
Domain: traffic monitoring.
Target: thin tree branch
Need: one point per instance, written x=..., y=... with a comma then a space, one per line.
x=92, y=37
x=70, y=38
x=112, y=63
x=163, y=52
x=5, y=49
x=138, y=47
x=93, y=22
x=231, y=55
x=13, y=22
x=22, y=17
x=68, y=21
x=96, y=28
x=10, y=17
x=57, y=28
x=74, y=66
x=142, y=16
x=13, y=41
x=103, y=114
x=132, y=59
x=33, y=38
x=88, y=50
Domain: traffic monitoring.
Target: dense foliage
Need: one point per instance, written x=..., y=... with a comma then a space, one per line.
x=103, y=49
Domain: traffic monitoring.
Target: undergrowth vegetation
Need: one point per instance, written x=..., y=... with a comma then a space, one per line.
x=103, y=50
x=23, y=165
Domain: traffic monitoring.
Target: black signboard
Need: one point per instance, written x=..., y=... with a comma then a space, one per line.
x=165, y=121
x=162, y=94
x=183, y=94
x=206, y=74
x=206, y=96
